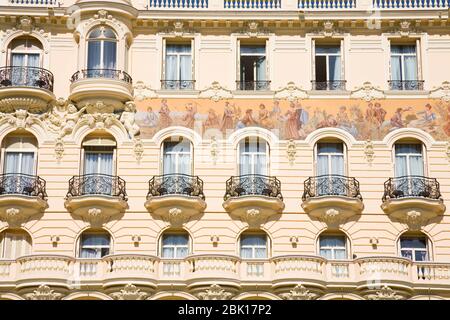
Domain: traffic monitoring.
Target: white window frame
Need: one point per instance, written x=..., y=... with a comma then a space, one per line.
x=96, y=247
x=333, y=249
x=15, y=235
x=102, y=47
x=254, y=247
x=177, y=155
x=254, y=64
x=19, y=150
x=329, y=155
x=327, y=59
x=414, y=250
x=253, y=154
x=178, y=56
x=174, y=247
x=24, y=52
x=402, y=60
x=408, y=166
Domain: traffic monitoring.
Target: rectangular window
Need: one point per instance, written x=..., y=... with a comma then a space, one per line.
x=178, y=67
x=94, y=246
x=253, y=246
x=333, y=247
x=408, y=160
x=414, y=248
x=405, y=67
x=328, y=67
x=14, y=245
x=253, y=67
x=175, y=246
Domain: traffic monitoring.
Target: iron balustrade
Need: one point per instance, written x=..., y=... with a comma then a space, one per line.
x=331, y=185
x=22, y=184
x=329, y=85
x=411, y=186
x=18, y=76
x=102, y=73
x=177, y=84
x=253, y=85
x=253, y=184
x=175, y=184
x=97, y=184
x=406, y=84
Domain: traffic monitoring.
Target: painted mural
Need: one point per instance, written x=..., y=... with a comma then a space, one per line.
x=295, y=120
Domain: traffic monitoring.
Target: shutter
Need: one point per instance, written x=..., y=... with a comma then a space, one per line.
x=193, y=60
x=163, y=71
x=267, y=60
x=419, y=60
x=342, y=60
x=313, y=59
x=238, y=60
x=389, y=59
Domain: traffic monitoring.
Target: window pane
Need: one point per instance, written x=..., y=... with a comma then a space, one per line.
x=421, y=256
x=407, y=254
x=402, y=148
x=340, y=254
x=248, y=49
x=330, y=148
x=95, y=240
x=326, y=253
x=175, y=240
x=253, y=240
x=328, y=49
x=334, y=72
x=417, y=243
x=94, y=58
x=332, y=241
x=167, y=252
x=109, y=54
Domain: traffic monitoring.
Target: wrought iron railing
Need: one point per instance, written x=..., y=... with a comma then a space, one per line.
x=23, y=184
x=102, y=73
x=97, y=184
x=411, y=186
x=329, y=85
x=331, y=185
x=177, y=84
x=175, y=184
x=406, y=84
x=253, y=85
x=253, y=184
x=17, y=76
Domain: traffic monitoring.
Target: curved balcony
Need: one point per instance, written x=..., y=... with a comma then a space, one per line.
x=292, y=269
x=177, y=84
x=334, y=85
x=175, y=197
x=332, y=198
x=253, y=197
x=109, y=85
x=96, y=197
x=29, y=88
x=257, y=85
x=21, y=196
x=406, y=85
x=412, y=199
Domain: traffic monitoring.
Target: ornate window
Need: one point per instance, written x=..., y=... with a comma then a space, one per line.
x=253, y=246
x=178, y=67
x=330, y=168
x=14, y=244
x=19, y=154
x=102, y=49
x=94, y=245
x=333, y=246
x=253, y=156
x=414, y=247
x=25, y=52
x=177, y=156
x=328, y=71
x=174, y=245
x=409, y=159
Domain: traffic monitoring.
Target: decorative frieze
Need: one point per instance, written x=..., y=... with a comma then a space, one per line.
x=129, y=292
x=44, y=292
x=385, y=293
x=215, y=92
x=299, y=292
x=367, y=92
x=215, y=292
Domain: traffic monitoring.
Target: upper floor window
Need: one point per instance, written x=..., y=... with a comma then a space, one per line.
x=25, y=52
x=253, y=246
x=328, y=68
x=253, y=67
x=330, y=159
x=14, y=244
x=94, y=245
x=178, y=67
x=409, y=159
x=102, y=49
x=253, y=156
x=175, y=245
x=414, y=248
x=333, y=247
x=177, y=156
x=19, y=154
x=404, y=67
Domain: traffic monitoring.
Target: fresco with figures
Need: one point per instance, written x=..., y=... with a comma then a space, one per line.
x=295, y=120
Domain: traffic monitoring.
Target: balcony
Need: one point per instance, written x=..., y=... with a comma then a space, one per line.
x=326, y=4
x=412, y=199
x=336, y=85
x=401, y=85
x=253, y=85
x=252, y=4
x=21, y=196
x=34, y=3
x=110, y=85
x=175, y=197
x=177, y=84
x=207, y=268
x=178, y=4
x=332, y=198
x=411, y=4
x=253, y=198
x=96, y=197
x=28, y=88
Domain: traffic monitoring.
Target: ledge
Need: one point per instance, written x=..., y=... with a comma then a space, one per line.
x=17, y=208
x=413, y=210
x=253, y=208
x=332, y=208
x=175, y=208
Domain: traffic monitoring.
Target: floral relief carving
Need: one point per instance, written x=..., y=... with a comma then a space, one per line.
x=367, y=92
x=178, y=29
x=215, y=292
x=291, y=93
x=214, y=150
x=129, y=292
x=142, y=91
x=13, y=216
x=299, y=292
x=442, y=92
x=291, y=151
x=59, y=149
x=369, y=153
x=253, y=30
x=216, y=92
x=138, y=149
x=331, y=216
x=21, y=119
x=176, y=216
x=385, y=293
x=44, y=292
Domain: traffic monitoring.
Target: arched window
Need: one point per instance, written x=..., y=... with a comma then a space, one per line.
x=14, y=244
x=99, y=153
x=25, y=59
x=94, y=244
x=19, y=154
x=102, y=50
x=414, y=247
x=175, y=245
x=253, y=246
x=330, y=168
x=333, y=246
x=253, y=156
x=177, y=156
x=409, y=159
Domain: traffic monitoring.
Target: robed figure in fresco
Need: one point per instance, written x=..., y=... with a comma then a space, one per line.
x=164, y=115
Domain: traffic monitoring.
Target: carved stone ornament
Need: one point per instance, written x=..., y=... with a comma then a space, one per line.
x=215, y=292
x=129, y=292
x=215, y=92
x=369, y=153
x=367, y=92
x=414, y=219
x=25, y=23
x=299, y=292
x=331, y=216
x=177, y=29
x=442, y=92
x=328, y=30
x=102, y=16
x=253, y=216
x=43, y=293
x=32, y=105
x=96, y=216
x=138, y=149
x=13, y=216
x=59, y=149
x=214, y=150
x=290, y=93
x=176, y=216
x=385, y=293
x=128, y=119
x=141, y=91
x=291, y=151
x=253, y=30
x=21, y=119
x=405, y=29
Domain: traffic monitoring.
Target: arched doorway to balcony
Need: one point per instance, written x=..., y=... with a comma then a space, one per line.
x=101, y=52
x=14, y=243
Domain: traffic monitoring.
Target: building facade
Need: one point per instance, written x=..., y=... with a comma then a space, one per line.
x=235, y=149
